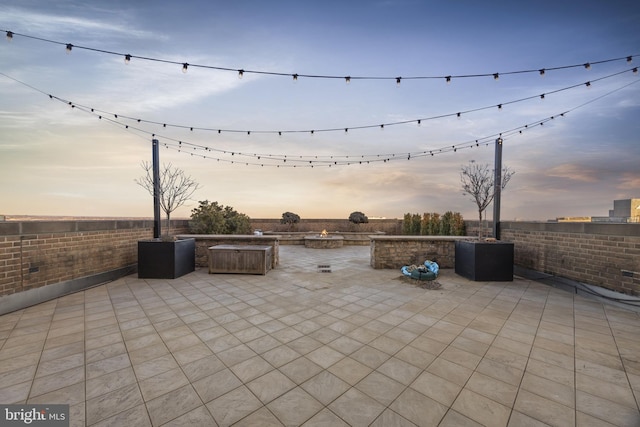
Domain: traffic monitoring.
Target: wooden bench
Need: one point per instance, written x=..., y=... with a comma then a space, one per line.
x=240, y=259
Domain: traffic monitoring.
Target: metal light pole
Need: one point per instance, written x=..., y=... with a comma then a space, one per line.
x=497, y=187
x=156, y=189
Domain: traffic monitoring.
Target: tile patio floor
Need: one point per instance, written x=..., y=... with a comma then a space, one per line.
x=355, y=346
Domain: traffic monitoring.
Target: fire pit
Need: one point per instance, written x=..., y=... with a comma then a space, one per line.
x=323, y=241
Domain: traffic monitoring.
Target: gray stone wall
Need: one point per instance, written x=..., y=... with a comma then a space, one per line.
x=397, y=251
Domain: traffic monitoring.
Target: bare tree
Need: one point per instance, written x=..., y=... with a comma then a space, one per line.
x=175, y=187
x=478, y=182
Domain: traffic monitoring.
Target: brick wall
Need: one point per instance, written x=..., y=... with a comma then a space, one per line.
x=34, y=254
x=39, y=253
x=601, y=254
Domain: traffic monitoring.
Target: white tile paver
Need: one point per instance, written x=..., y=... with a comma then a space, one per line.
x=355, y=346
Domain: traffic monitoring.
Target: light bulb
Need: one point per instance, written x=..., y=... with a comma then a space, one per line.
x=635, y=70
x=588, y=84
x=499, y=106
x=542, y=96
x=9, y=36
x=347, y=79
x=295, y=78
x=496, y=76
x=629, y=58
x=448, y=79
x=542, y=71
x=69, y=47
x=587, y=66
x=185, y=66
x=398, y=79
x=127, y=58
x=240, y=73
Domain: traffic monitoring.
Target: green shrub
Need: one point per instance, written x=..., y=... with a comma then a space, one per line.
x=433, y=227
x=416, y=220
x=458, y=227
x=358, y=218
x=290, y=219
x=445, y=224
x=406, y=224
x=432, y=224
x=213, y=218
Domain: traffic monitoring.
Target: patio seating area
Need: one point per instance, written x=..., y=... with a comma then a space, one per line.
x=324, y=339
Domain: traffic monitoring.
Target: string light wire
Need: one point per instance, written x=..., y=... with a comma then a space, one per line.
x=348, y=78
x=294, y=161
x=325, y=130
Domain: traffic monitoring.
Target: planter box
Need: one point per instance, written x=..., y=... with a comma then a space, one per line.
x=484, y=261
x=166, y=260
x=242, y=259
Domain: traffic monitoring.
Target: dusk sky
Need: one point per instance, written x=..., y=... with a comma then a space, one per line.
x=59, y=160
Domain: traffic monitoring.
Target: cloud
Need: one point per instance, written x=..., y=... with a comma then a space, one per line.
x=146, y=87
x=572, y=172
x=65, y=195
x=50, y=24
x=630, y=181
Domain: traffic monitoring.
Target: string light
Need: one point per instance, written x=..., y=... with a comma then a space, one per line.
x=185, y=66
x=69, y=47
x=629, y=59
x=418, y=154
x=347, y=79
x=448, y=79
x=295, y=78
x=240, y=73
x=542, y=71
x=9, y=36
x=316, y=160
x=635, y=70
x=398, y=79
x=588, y=84
x=127, y=58
x=587, y=66
x=280, y=132
x=496, y=76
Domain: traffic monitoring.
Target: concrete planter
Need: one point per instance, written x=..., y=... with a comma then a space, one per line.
x=484, y=261
x=166, y=260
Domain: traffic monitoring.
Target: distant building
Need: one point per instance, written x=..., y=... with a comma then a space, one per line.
x=628, y=209
x=574, y=219
x=624, y=210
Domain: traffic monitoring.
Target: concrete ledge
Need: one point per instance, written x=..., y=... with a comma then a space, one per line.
x=397, y=251
x=205, y=241
x=350, y=238
x=24, y=299
x=600, y=228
